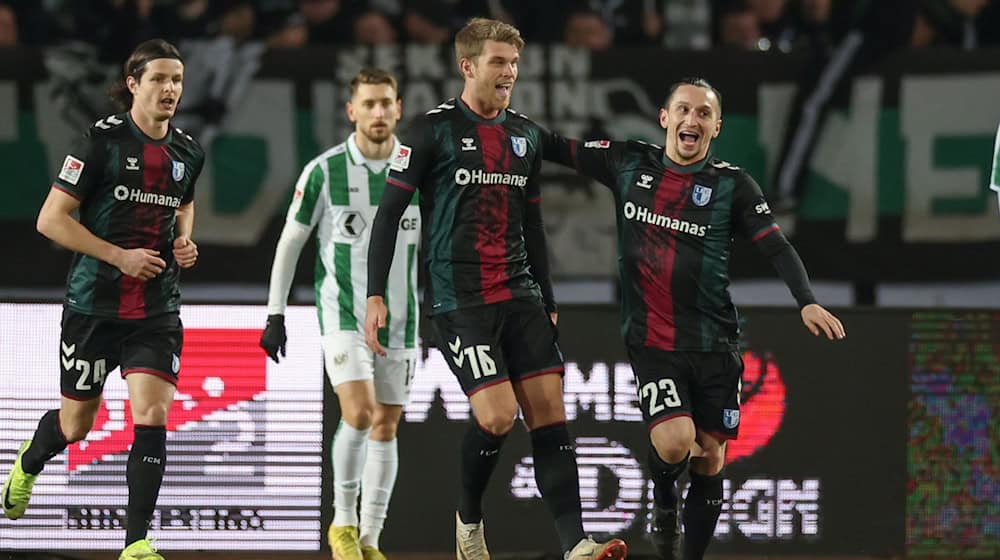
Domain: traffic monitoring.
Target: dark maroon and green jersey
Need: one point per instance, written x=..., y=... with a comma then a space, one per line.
x=129, y=187
x=675, y=234
x=477, y=181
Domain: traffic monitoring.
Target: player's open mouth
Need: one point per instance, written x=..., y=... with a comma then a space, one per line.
x=167, y=103
x=689, y=139
x=503, y=90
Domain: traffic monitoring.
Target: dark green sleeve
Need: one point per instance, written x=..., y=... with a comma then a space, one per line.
x=82, y=168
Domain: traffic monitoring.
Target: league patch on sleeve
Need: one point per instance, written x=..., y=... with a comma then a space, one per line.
x=72, y=168
x=402, y=159
x=602, y=144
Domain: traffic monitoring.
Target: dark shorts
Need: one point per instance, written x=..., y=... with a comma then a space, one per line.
x=511, y=340
x=702, y=385
x=91, y=346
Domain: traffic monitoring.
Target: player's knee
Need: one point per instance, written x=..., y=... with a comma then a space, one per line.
x=151, y=414
x=672, y=451
x=359, y=417
x=497, y=422
x=76, y=427
x=383, y=430
x=672, y=440
x=74, y=432
x=711, y=461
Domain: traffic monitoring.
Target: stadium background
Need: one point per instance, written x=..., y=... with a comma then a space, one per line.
x=884, y=445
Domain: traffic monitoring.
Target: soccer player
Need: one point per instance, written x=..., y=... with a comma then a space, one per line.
x=475, y=164
x=132, y=178
x=678, y=209
x=339, y=191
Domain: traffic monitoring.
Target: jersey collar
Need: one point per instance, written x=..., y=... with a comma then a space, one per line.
x=690, y=168
x=138, y=133
x=355, y=155
x=476, y=118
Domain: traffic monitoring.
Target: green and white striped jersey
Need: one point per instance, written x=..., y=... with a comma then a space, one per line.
x=339, y=191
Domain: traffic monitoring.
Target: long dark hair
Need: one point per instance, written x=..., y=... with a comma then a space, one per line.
x=135, y=66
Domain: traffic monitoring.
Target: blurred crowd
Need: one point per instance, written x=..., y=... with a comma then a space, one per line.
x=784, y=25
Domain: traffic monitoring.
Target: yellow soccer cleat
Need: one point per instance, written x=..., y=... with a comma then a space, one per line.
x=344, y=542
x=17, y=489
x=371, y=553
x=140, y=550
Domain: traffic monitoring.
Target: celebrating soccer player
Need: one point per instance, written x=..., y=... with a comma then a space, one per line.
x=678, y=209
x=339, y=191
x=132, y=178
x=474, y=163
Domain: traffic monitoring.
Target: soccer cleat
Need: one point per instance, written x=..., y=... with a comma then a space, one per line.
x=140, y=550
x=369, y=552
x=470, y=540
x=666, y=534
x=344, y=542
x=587, y=549
x=17, y=489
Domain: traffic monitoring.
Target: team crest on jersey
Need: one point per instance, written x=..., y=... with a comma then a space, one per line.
x=701, y=195
x=71, y=170
x=520, y=145
x=178, y=170
x=730, y=418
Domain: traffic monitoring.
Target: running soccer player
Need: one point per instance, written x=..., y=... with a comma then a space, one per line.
x=339, y=191
x=475, y=164
x=132, y=178
x=678, y=209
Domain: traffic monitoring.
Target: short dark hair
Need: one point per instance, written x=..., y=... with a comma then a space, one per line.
x=692, y=81
x=135, y=66
x=373, y=76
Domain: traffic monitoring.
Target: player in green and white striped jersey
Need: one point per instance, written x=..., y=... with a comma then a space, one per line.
x=339, y=192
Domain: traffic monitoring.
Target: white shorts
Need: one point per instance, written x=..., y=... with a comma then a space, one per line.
x=348, y=358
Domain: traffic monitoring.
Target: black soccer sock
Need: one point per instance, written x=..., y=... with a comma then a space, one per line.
x=144, y=473
x=480, y=453
x=665, y=476
x=47, y=442
x=559, y=481
x=701, y=512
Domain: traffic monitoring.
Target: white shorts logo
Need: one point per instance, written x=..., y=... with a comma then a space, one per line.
x=72, y=168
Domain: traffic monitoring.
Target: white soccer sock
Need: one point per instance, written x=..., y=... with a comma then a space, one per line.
x=348, y=462
x=380, y=476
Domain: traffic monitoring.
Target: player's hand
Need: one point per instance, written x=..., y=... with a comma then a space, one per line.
x=144, y=264
x=554, y=317
x=273, y=339
x=185, y=252
x=375, y=320
x=819, y=320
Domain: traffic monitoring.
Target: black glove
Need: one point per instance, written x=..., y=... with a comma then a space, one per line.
x=274, y=338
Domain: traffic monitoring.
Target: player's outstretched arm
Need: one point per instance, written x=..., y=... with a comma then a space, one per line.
x=819, y=320
x=56, y=221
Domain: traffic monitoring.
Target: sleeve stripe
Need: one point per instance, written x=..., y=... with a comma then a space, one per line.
x=400, y=184
x=766, y=231
x=59, y=187
x=572, y=154
x=535, y=200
